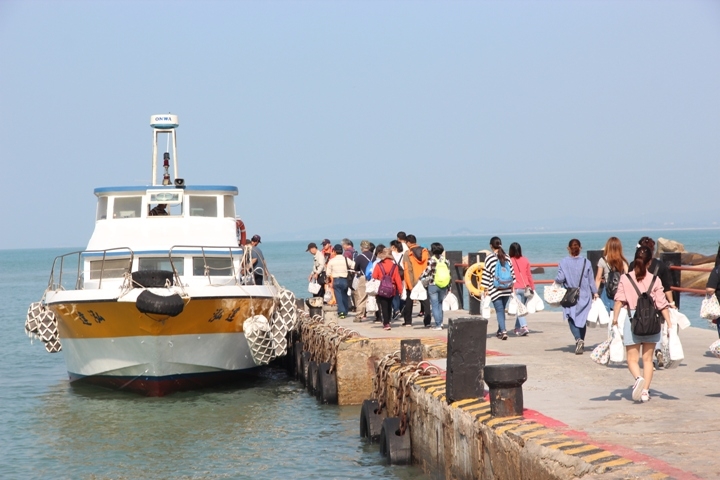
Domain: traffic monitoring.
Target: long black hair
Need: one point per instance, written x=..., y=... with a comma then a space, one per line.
x=515, y=250
x=496, y=244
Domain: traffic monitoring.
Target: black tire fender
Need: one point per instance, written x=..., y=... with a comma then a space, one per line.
x=370, y=420
x=148, y=302
x=311, y=382
x=305, y=363
x=152, y=278
x=327, y=385
x=393, y=446
x=298, y=361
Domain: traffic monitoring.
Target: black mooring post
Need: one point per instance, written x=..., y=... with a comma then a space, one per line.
x=505, y=385
x=593, y=257
x=673, y=259
x=474, y=303
x=411, y=351
x=467, y=338
x=457, y=276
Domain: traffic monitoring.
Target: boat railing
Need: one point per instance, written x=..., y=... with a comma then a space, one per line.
x=211, y=267
x=64, y=266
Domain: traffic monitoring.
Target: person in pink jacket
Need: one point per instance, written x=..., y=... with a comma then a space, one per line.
x=523, y=279
x=627, y=297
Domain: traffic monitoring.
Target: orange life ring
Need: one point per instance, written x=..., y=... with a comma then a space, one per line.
x=240, y=232
x=473, y=279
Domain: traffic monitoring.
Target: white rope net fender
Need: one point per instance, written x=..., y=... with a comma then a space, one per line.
x=42, y=324
x=260, y=341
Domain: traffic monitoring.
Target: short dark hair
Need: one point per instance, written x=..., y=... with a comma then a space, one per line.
x=436, y=249
x=338, y=249
x=401, y=236
x=515, y=250
x=379, y=249
x=411, y=238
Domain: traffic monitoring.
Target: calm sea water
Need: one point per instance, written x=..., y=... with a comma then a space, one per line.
x=269, y=428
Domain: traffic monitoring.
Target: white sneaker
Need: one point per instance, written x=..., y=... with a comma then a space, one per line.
x=437, y=328
x=645, y=397
x=638, y=388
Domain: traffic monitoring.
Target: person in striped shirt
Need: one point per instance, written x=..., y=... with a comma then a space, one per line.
x=499, y=294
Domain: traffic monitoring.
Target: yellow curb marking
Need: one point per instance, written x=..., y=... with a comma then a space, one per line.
x=461, y=403
x=495, y=421
x=616, y=463
x=552, y=438
x=505, y=428
x=596, y=456
x=586, y=448
x=565, y=444
x=537, y=433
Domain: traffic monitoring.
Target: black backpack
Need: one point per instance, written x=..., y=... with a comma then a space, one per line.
x=646, y=320
x=611, y=284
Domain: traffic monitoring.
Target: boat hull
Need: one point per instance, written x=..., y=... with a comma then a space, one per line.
x=111, y=343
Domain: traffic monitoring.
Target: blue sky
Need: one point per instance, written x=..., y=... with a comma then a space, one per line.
x=330, y=115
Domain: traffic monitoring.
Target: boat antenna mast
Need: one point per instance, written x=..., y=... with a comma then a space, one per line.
x=165, y=124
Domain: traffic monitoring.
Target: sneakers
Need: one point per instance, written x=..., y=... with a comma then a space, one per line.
x=502, y=335
x=407, y=324
x=660, y=358
x=437, y=328
x=645, y=396
x=341, y=315
x=579, y=346
x=638, y=388
x=396, y=315
x=386, y=327
x=521, y=332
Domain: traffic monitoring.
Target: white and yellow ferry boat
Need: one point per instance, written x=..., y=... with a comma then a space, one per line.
x=159, y=303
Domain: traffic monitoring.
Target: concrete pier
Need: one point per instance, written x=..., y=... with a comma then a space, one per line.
x=579, y=419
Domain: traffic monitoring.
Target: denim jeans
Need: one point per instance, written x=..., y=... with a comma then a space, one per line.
x=577, y=332
x=340, y=287
x=499, y=305
x=437, y=295
x=520, y=321
x=609, y=304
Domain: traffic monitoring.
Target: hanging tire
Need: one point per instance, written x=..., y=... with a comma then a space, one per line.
x=148, y=302
x=327, y=385
x=152, y=278
x=298, y=361
x=370, y=420
x=305, y=356
x=312, y=377
x=393, y=446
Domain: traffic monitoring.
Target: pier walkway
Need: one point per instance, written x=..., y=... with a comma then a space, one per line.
x=676, y=433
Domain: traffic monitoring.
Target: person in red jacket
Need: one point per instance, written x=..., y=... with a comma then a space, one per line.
x=386, y=266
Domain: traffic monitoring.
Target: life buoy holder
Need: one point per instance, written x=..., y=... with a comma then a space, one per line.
x=240, y=232
x=474, y=272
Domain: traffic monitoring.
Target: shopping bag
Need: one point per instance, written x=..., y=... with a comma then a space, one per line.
x=603, y=314
x=530, y=304
x=355, y=283
x=617, y=349
x=592, y=317
x=512, y=306
x=601, y=353
x=715, y=348
x=485, y=304
x=371, y=305
x=418, y=292
x=539, y=305
x=710, y=308
x=314, y=287
x=678, y=318
x=403, y=294
x=554, y=294
x=328, y=295
x=371, y=287
x=675, y=347
x=622, y=318
x=450, y=302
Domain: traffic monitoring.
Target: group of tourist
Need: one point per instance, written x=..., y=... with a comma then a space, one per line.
x=397, y=269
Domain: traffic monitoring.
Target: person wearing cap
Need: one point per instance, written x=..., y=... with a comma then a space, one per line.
x=327, y=250
x=337, y=270
x=318, y=270
x=257, y=260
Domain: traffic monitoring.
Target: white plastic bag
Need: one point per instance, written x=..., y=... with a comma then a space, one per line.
x=679, y=319
x=592, y=318
x=554, y=294
x=603, y=314
x=530, y=304
x=710, y=308
x=450, y=302
x=328, y=295
x=355, y=282
x=371, y=287
x=674, y=346
x=485, y=304
x=617, y=349
x=512, y=306
x=371, y=304
x=403, y=294
x=539, y=305
x=418, y=292
x=314, y=287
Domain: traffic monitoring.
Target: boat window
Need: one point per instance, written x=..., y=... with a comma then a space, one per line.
x=102, y=208
x=109, y=268
x=203, y=206
x=229, y=206
x=127, y=207
x=217, y=267
x=161, y=263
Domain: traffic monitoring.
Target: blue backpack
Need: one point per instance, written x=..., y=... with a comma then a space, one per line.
x=503, y=275
x=370, y=267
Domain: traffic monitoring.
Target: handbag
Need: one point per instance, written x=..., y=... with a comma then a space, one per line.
x=314, y=287
x=351, y=276
x=554, y=294
x=715, y=348
x=371, y=287
x=710, y=308
x=601, y=353
x=572, y=295
x=418, y=292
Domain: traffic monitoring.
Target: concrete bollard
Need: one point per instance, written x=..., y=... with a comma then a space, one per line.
x=411, y=351
x=467, y=338
x=505, y=382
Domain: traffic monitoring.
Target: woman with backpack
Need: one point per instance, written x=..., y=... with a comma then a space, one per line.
x=436, y=279
x=576, y=272
x=611, y=266
x=386, y=270
x=524, y=284
x=630, y=294
x=498, y=278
